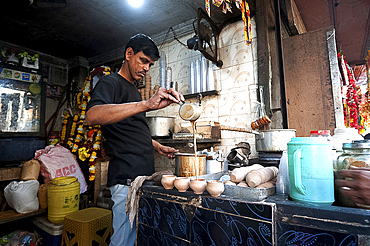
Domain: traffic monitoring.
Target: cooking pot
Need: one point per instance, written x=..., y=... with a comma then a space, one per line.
x=160, y=126
x=274, y=140
x=185, y=164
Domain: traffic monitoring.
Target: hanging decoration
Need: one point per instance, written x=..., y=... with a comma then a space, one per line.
x=352, y=116
x=365, y=108
x=243, y=6
x=84, y=141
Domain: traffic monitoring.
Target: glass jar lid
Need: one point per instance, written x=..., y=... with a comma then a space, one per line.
x=357, y=144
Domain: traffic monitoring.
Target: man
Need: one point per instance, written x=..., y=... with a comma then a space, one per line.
x=117, y=106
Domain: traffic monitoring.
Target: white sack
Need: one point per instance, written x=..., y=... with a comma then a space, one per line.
x=22, y=195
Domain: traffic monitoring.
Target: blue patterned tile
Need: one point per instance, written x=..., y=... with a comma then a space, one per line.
x=149, y=236
x=289, y=235
x=166, y=216
x=250, y=210
x=216, y=228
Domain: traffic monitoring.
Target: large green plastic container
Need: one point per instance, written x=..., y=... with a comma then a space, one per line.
x=311, y=174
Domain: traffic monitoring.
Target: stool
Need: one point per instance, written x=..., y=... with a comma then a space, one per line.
x=90, y=226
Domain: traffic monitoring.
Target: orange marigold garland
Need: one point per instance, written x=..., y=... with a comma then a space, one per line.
x=84, y=141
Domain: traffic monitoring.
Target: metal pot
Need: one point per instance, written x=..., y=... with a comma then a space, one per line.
x=274, y=140
x=160, y=126
x=185, y=164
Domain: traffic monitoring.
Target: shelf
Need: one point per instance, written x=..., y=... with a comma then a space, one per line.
x=12, y=215
x=10, y=173
x=185, y=141
x=204, y=93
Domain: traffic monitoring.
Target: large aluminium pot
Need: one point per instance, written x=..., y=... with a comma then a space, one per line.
x=185, y=164
x=160, y=126
x=274, y=140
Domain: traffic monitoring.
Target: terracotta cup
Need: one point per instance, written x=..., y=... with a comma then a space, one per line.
x=168, y=181
x=182, y=183
x=215, y=187
x=198, y=185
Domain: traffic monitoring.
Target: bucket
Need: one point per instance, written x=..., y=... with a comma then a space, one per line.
x=63, y=198
x=311, y=174
x=185, y=164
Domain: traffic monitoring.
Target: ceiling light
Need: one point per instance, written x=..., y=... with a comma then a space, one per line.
x=135, y=3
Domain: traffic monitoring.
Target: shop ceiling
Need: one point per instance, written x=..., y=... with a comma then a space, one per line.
x=87, y=28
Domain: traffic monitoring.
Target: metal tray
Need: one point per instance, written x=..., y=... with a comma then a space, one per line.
x=244, y=193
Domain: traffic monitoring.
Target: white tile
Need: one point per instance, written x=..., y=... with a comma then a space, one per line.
x=237, y=76
x=235, y=54
x=183, y=86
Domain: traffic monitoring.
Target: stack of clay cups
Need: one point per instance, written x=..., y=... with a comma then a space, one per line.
x=148, y=85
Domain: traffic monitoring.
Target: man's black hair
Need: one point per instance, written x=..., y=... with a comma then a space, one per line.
x=142, y=42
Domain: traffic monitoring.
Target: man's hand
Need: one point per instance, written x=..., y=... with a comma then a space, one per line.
x=162, y=98
x=358, y=187
x=169, y=152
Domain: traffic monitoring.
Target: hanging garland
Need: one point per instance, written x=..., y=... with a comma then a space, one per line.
x=365, y=108
x=352, y=116
x=243, y=6
x=87, y=141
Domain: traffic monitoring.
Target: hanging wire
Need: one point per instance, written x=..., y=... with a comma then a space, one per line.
x=174, y=37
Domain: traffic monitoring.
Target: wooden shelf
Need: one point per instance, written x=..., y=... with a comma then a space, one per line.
x=10, y=173
x=12, y=215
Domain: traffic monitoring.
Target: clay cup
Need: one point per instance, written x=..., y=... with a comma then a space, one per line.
x=182, y=183
x=198, y=185
x=168, y=181
x=215, y=187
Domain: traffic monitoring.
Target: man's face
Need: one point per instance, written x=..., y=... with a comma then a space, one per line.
x=139, y=64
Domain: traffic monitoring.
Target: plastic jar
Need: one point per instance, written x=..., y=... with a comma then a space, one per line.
x=356, y=154
x=345, y=135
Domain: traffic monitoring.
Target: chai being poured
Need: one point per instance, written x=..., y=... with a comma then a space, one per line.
x=195, y=150
x=191, y=112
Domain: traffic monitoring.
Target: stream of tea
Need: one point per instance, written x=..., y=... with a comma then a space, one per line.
x=195, y=150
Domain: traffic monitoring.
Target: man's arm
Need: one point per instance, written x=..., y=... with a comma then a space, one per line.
x=113, y=113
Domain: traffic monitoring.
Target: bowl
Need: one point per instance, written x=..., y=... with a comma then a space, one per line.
x=215, y=187
x=182, y=183
x=168, y=181
x=198, y=185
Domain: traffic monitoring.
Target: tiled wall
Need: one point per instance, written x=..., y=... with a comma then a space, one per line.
x=236, y=81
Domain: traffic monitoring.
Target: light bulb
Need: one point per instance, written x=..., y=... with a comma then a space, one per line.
x=135, y=3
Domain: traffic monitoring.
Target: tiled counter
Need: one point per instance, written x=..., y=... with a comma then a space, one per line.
x=168, y=217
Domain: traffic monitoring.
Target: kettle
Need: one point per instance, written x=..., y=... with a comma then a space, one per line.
x=190, y=111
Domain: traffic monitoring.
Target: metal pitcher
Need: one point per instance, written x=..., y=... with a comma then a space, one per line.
x=191, y=111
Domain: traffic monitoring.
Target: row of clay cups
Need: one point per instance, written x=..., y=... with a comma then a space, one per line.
x=214, y=187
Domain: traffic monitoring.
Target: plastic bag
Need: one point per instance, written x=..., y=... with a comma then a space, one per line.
x=57, y=161
x=22, y=195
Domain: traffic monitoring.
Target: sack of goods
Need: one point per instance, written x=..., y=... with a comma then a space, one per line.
x=22, y=195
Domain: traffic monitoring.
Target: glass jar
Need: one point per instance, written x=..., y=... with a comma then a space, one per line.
x=356, y=154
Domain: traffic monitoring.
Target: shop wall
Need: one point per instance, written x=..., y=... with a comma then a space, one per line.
x=236, y=81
